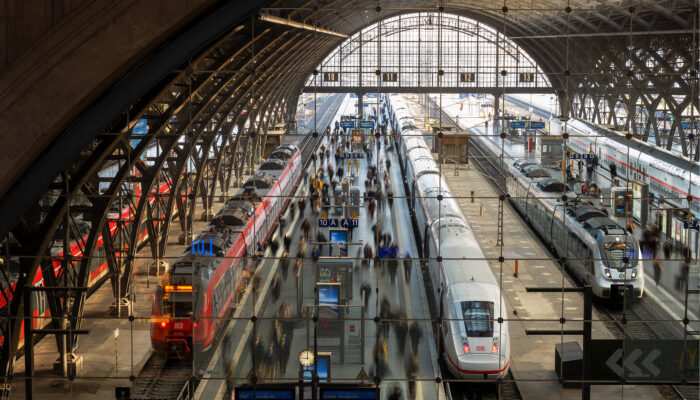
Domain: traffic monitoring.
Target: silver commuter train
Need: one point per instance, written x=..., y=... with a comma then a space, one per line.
x=667, y=173
x=595, y=246
x=476, y=345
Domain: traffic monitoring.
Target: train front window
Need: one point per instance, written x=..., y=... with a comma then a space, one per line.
x=615, y=251
x=478, y=318
x=178, y=309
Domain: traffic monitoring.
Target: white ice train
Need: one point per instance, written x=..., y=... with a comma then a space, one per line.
x=669, y=175
x=597, y=250
x=476, y=344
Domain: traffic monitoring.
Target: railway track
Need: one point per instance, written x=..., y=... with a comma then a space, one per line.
x=162, y=379
x=506, y=389
x=633, y=321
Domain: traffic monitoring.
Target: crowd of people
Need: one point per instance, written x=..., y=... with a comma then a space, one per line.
x=271, y=348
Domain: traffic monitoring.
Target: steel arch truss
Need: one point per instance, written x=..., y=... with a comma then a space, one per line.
x=183, y=143
x=645, y=89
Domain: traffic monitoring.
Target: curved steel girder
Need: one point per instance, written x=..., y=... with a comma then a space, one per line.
x=223, y=94
x=93, y=163
x=167, y=142
x=239, y=103
x=104, y=111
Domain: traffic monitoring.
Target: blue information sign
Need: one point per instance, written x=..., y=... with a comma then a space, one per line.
x=537, y=124
x=349, y=393
x=328, y=223
x=351, y=155
x=366, y=124
x=347, y=124
x=264, y=393
x=349, y=223
x=371, y=95
x=692, y=224
x=517, y=124
x=463, y=95
x=576, y=156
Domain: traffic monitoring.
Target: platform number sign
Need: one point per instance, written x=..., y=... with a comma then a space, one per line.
x=467, y=77
x=527, y=77
x=330, y=76
x=390, y=76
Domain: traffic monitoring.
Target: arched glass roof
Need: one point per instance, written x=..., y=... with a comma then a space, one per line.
x=411, y=49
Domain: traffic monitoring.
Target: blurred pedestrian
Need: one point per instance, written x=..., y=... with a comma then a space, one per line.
x=412, y=371
x=396, y=393
x=301, y=248
x=401, y=330
x=384, y=314
x=370, y=207
x=302, y=206
x=367, y=255
x=258, y=353
x=380, y=358
x=306, y=228
x=658, y=268
x=284, y=264
x=257, y=282
x=270, y=361
x=613, y=173
x=416, y=335
x=390, y=198
x=287, y=241
x=407, y=266
x=276, y=287
x=668, y=246
x=292, y=210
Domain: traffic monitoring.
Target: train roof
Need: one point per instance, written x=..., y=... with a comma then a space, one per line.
x=272, y=164
x=653, y=152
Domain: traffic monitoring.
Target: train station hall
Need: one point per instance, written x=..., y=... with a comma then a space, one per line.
x=375, y=200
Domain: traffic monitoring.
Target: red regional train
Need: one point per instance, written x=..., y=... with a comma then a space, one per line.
x=208, y=280
x=98, y=264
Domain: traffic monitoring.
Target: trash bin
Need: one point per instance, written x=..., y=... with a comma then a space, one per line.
x=568, y=362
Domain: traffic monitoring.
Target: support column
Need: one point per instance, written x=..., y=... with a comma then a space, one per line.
x=496, y=111
x=360, y=105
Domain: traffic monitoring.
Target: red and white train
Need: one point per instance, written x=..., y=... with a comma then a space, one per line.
x=98, y=264
x=202, y=287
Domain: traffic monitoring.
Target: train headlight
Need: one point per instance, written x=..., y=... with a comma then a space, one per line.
x=465, y=345
x=494, y=346
x=634, y=273
x=607, y=273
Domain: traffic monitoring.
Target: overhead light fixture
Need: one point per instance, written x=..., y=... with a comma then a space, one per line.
x=299, y=25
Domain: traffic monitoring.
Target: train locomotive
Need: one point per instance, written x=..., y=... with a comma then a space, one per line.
x=476, y=345
x=597, y=250
x=208, y=280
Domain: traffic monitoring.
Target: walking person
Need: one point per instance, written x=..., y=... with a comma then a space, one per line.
x=668, y=246
x=367, y=255
x=401, y=331
x=613, y=174
x=416, y=335
x=306, y=228
x=384, y=314
x=412, y=371
x=658, y=268
x=284, y=265
x=302, y=206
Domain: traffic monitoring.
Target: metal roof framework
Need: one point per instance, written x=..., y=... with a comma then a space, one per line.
x=207, y=119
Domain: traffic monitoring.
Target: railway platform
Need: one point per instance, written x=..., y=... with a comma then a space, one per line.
x=237, y=360
x=669, y=298
x=120, y=348
x=534, y=365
